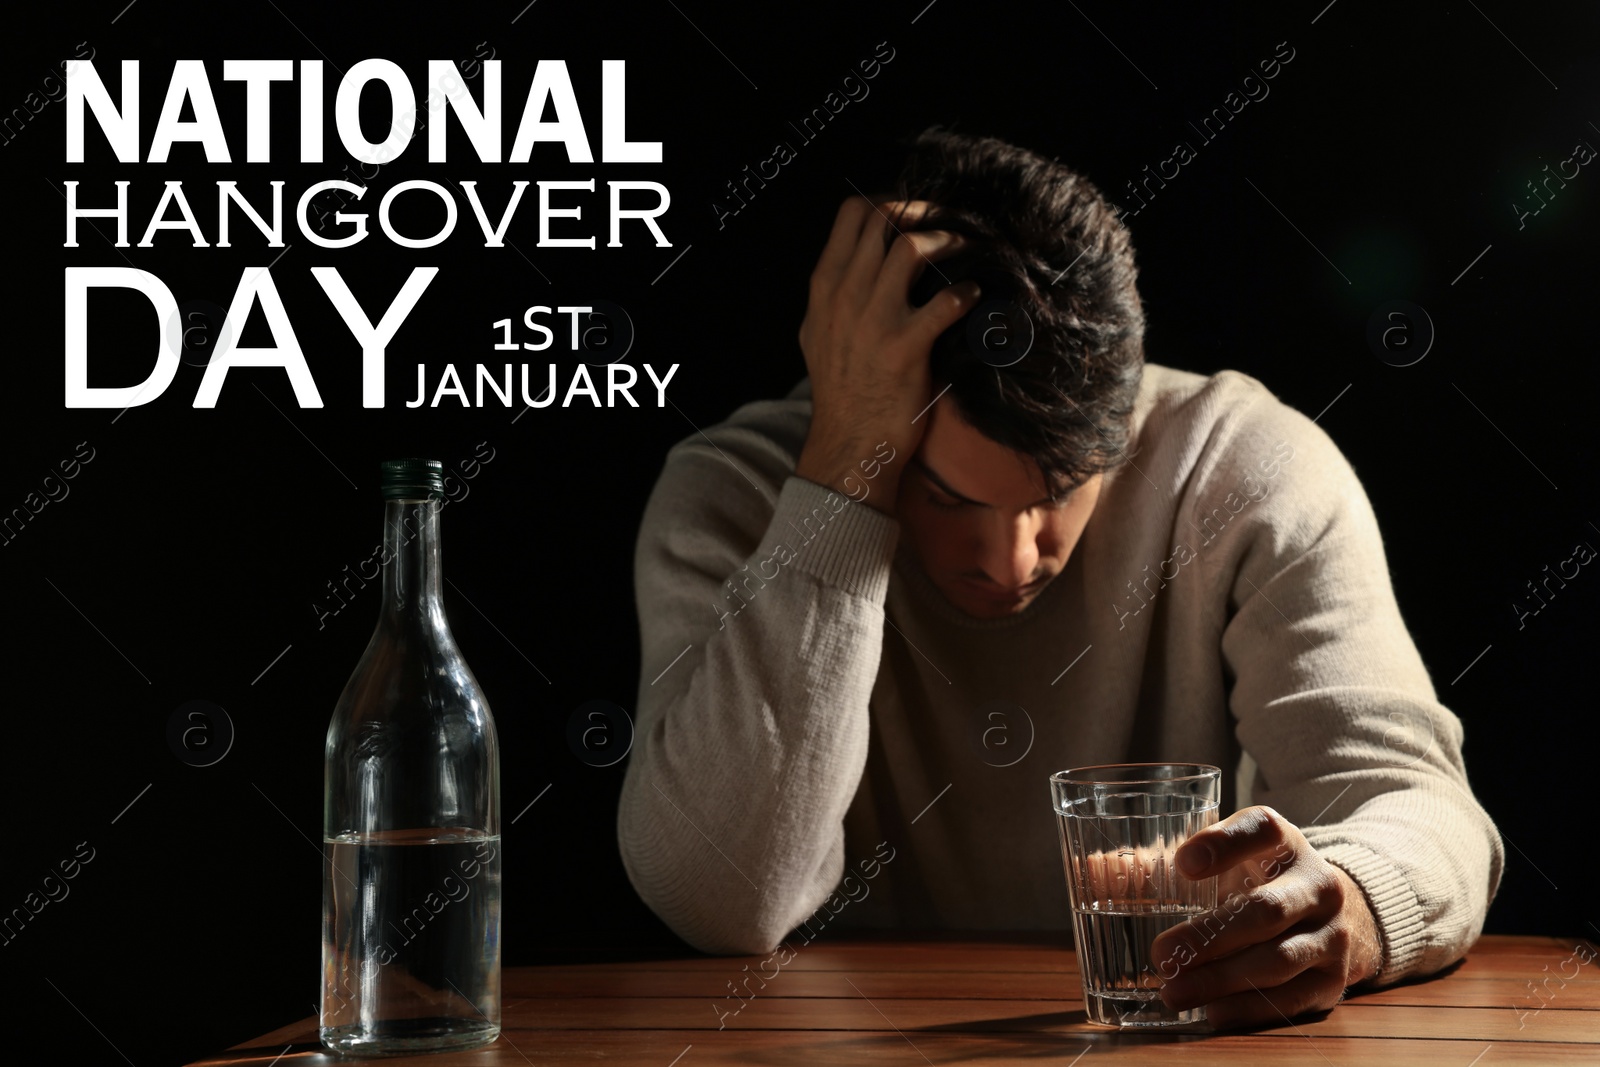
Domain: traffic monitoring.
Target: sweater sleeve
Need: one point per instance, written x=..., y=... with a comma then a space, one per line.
x=1334, y=704
x=760, y=600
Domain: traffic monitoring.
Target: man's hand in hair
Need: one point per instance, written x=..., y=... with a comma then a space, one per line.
x=866, y=347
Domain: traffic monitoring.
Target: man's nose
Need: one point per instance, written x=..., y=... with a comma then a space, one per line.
x=1011, y=549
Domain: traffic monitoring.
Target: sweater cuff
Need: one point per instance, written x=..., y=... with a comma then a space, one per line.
x=1394, y=906
x=835, y=539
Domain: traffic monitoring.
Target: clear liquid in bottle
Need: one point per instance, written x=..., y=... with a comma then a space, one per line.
x=411, y=815
x=403, y=940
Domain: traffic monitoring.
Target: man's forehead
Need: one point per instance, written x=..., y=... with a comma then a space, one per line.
x=966, y=464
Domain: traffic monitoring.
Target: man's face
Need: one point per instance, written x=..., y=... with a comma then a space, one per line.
x=978, y=517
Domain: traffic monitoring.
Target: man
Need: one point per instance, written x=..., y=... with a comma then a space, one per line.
x=877, y=613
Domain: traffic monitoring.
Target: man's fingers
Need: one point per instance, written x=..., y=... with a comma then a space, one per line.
x=900, y=213
x=881, y=233
x=1247, y=833
x=866, y=259
x=856, y=239
x=908, y=257
x=1258, y=915
x=856, y=270
x=1262, y=1006
x=946, y=306
x=842, y=239
x=1270, y=963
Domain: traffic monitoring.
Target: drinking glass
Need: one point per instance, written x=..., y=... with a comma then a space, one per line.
x=1120, y=826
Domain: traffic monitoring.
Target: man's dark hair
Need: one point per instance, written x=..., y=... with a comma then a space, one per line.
x=1041, y=236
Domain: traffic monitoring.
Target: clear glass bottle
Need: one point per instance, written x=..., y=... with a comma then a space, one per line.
x=411, y=814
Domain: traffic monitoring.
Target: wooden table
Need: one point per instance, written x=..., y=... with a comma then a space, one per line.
x=987, y=999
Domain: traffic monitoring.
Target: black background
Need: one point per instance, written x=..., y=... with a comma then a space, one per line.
x=191, y=549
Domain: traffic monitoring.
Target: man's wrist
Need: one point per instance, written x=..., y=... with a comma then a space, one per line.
x=860, y=472
x=1366, y=955
x=879, y=494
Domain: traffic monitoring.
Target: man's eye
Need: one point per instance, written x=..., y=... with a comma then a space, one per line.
x=947, y=505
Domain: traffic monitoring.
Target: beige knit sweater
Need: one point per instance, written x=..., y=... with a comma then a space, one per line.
x=812, y=709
